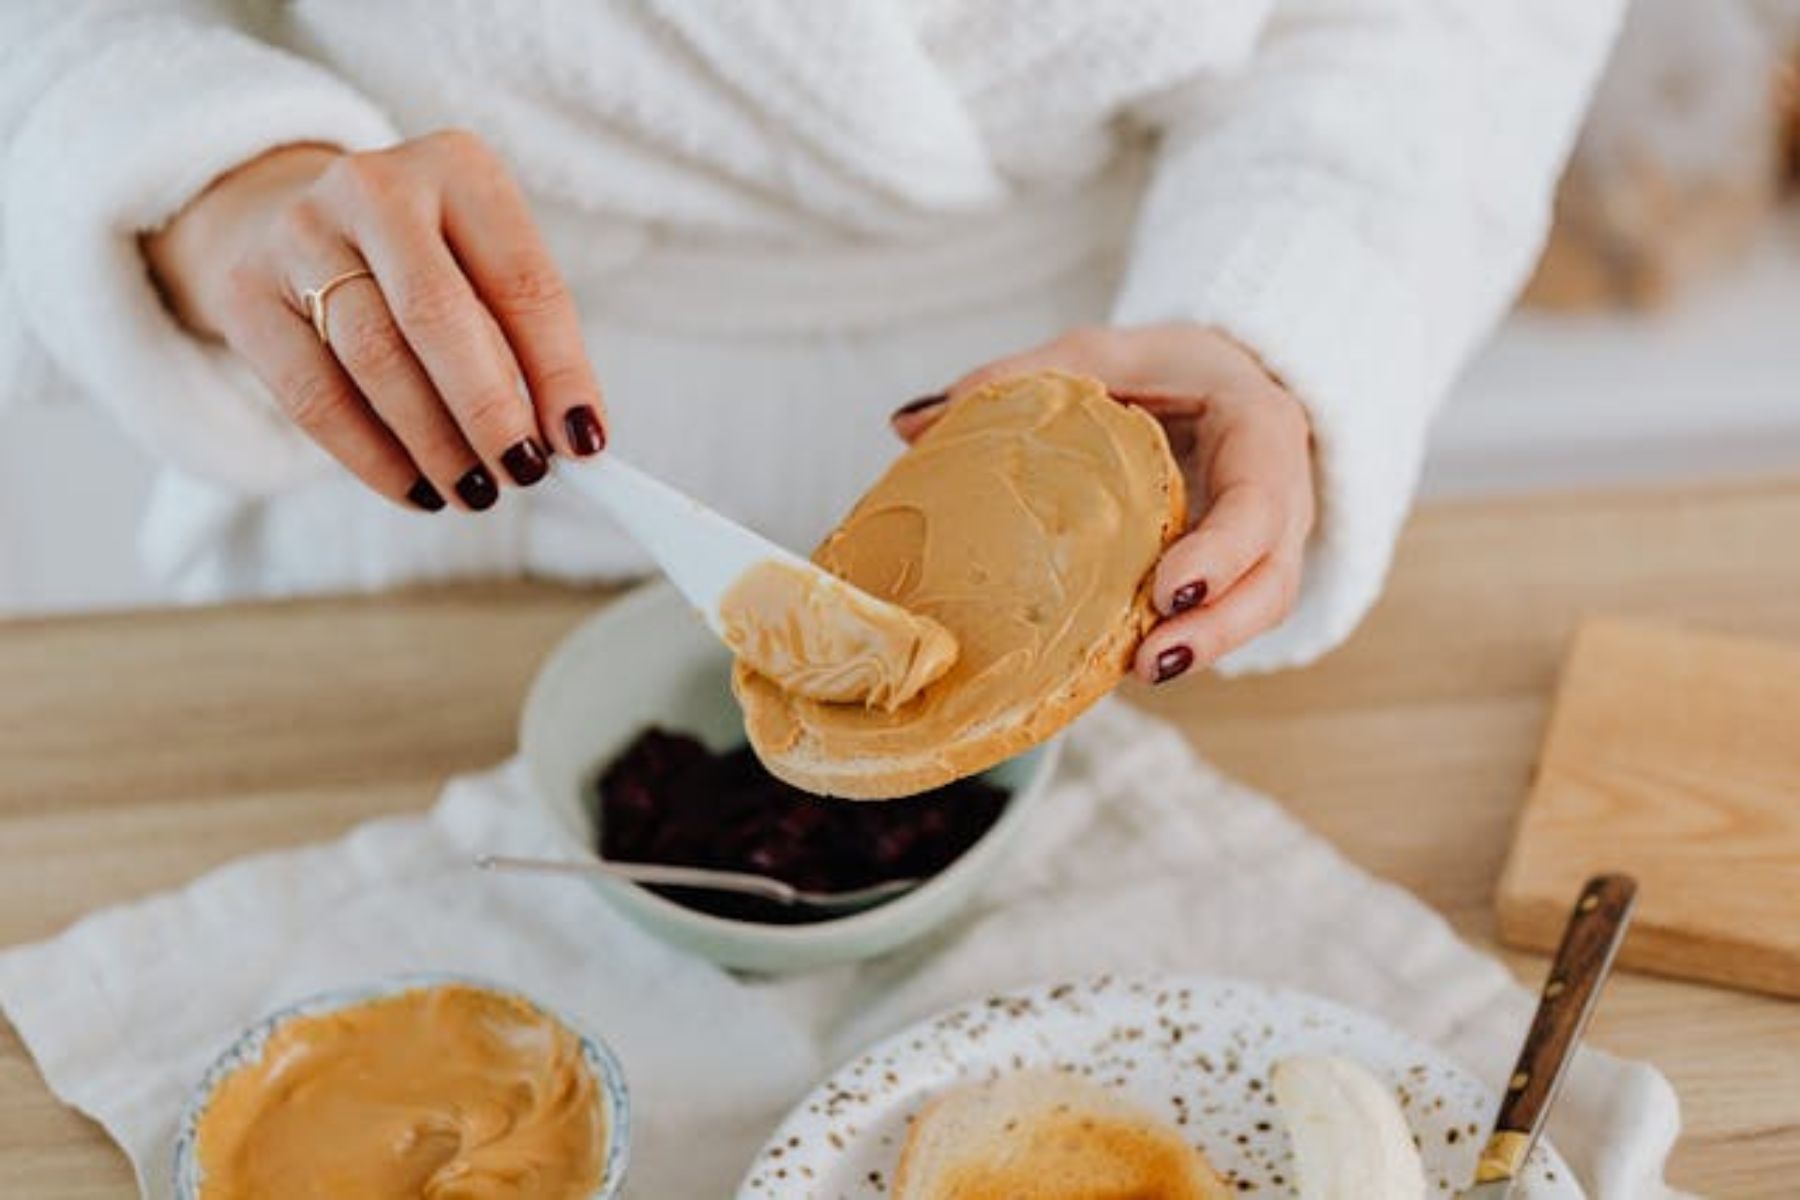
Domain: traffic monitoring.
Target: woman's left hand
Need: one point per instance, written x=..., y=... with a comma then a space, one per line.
x=1243, y=441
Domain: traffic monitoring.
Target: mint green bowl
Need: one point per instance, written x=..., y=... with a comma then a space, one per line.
x=646, y=659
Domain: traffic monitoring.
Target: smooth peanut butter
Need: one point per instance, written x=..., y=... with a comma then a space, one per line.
x=832, y=643
x=442, y=1092
x=1025, y=522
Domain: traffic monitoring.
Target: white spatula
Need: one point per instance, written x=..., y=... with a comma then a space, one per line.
x=702, y=552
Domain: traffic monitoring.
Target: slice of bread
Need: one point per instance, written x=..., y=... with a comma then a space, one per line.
x=1048, y=1135
x=1060, y=502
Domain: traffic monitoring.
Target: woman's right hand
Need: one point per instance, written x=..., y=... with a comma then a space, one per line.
x=417, y=389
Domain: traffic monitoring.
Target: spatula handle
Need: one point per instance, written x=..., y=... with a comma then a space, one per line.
x=1590, y=942
x=701, y=552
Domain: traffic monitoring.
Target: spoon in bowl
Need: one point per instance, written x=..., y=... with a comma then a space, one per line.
x=739, y=882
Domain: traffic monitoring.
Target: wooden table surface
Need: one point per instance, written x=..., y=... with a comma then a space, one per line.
x=138, y=750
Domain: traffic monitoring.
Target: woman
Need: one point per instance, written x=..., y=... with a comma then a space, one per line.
x=308, y=251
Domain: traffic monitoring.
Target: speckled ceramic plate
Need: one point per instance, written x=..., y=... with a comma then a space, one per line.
x=1196, y=1050
x=248, y=1048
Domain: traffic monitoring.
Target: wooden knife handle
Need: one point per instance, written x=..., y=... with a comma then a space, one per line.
x=1590, y=942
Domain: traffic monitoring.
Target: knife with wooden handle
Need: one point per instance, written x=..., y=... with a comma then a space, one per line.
x=1590, y=942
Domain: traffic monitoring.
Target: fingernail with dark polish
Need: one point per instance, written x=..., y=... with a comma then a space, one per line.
x=585, y=434
x=919, y=405
x=1188, y=595
x=424, y=496
x=1172, y=662
x=478, y=489
x=525, y=462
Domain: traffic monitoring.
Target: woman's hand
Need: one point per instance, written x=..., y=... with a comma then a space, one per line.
x=1245, y=445
x=417, y=389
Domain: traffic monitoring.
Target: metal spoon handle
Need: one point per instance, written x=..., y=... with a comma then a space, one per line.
x=656, y=873
x=1590, y=941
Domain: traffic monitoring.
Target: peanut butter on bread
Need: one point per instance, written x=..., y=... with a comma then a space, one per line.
x=1027, y=523
x=831, y=643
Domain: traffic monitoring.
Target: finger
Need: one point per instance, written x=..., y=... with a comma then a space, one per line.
x=1260, y=601
x=490, y=228
x=319, y=397
x=1130, y=361
x=912, y=419
x=367, y=341
x=916, y=416
x=1239, y=529
x=1079, y=351
x=1082, y=351
x=441, y=317
x=1105, y=354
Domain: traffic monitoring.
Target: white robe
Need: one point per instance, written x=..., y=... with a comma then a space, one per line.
x=781, y=218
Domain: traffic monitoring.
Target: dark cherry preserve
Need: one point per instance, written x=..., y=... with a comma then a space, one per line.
x=668, y=799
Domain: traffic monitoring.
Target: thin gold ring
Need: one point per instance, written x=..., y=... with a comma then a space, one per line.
x=314, y=300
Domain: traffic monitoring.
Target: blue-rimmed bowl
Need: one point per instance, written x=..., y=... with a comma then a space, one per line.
x=249, y=1046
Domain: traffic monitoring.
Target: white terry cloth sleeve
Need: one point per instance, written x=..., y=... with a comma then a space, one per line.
x=1359, y=208
x=112, y=117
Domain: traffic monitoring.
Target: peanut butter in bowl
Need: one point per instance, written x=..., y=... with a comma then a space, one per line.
x=424, y=1088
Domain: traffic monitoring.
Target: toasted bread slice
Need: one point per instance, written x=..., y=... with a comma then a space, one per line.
x=1028, y=522
x=1047, y=1135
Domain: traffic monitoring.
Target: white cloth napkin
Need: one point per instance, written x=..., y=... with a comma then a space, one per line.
x=1142, y=859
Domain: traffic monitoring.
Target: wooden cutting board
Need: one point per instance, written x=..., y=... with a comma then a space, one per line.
x=1673, y=756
